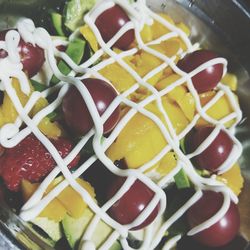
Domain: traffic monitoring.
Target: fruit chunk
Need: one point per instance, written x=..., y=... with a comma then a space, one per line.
x=132, y=203
x=215, y=154
x=68, y=201
x=231, y=81
x=208, y=78
x=141, y=139
x=30, y=160
x=76, y=113
x=54, y=210
x=138, y=142
x=233, y=179
x=32, y=57
x=90, y=37
x=110, y=22
x=219, y=110
x=73, y=201
x=221, y=232
x=8, y=113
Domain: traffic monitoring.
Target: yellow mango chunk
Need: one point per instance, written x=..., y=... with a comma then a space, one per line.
x=219, y=110
x=8, y=113
x=159, y=29
x=118, y=76
x=184, y=28
x=169, y=48
x=233, y=179
x=176, y=115
x=90, y=37
x=141, y=139
x=231, y=81
x=72, y=200
x=187, y=105
x=165, y=165
x=139, y=142
x=146, y=34
x=54, y=210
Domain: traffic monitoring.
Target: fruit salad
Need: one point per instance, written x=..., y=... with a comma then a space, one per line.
x=117, y=132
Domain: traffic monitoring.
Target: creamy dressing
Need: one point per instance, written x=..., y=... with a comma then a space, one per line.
x=11, y=135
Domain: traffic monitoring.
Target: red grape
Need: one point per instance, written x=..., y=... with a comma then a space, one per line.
x=32, y=57
x=208, y=78
x=221, y=232
x=110, y=22
x=215, y=154
x=132, y=203
x=76, y=113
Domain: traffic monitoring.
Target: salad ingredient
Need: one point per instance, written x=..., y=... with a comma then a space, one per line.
x=233, y=179
x=219, y=110
x=73, y=201
x=57, y=23
x=68, y=201
x=74, y=11
x=31, y=161
x=75, y=228
x=221, y=232
x=215, y=154
x=32, y=57
x=230, y=80
x=110, y=22
x=54, y=211
x=132, y=203
x=76, y=113
x=75, y=50
x=208, y=78
x=181, y=180
x=50, y=227
x=8, y=113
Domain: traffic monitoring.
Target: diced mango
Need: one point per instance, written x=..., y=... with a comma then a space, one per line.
x=184, y=28
x=159, y=29
x=72, y=200
x=233, y=179
x=146, y=34
x=90, y=37
x=176, y=115
x=219, y=110
x=141, y=139
x=231, y=81
x=118, y=76
x=69, y=201
x=138, y=143
x=165, y=165
x=187, y=105
x=169, y=48
x=54, y=210
x=8, y=113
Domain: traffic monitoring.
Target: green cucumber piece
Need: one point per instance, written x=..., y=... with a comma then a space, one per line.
x=181, y=180
x=74, y=229
x=182, y=145
x=38, y=86
x=57, y=23
x=50, y=227
x=74, y=12
x=75, y=51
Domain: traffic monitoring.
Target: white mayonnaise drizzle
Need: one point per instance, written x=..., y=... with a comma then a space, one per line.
x=11, y=135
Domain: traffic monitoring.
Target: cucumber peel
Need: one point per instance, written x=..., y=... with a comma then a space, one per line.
x=57, y=21
x=75, y=51
x=181, y=180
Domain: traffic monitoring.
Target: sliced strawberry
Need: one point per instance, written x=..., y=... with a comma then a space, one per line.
x=30, y=160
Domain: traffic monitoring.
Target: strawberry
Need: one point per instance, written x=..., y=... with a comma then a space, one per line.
x=30, y=160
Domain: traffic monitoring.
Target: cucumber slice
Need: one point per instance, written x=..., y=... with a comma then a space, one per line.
x=38, y=86
x=46, y=230
x=74, y=229
x=181, y=180
x=75, y=51
x=74, y=11
x=57, y=23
